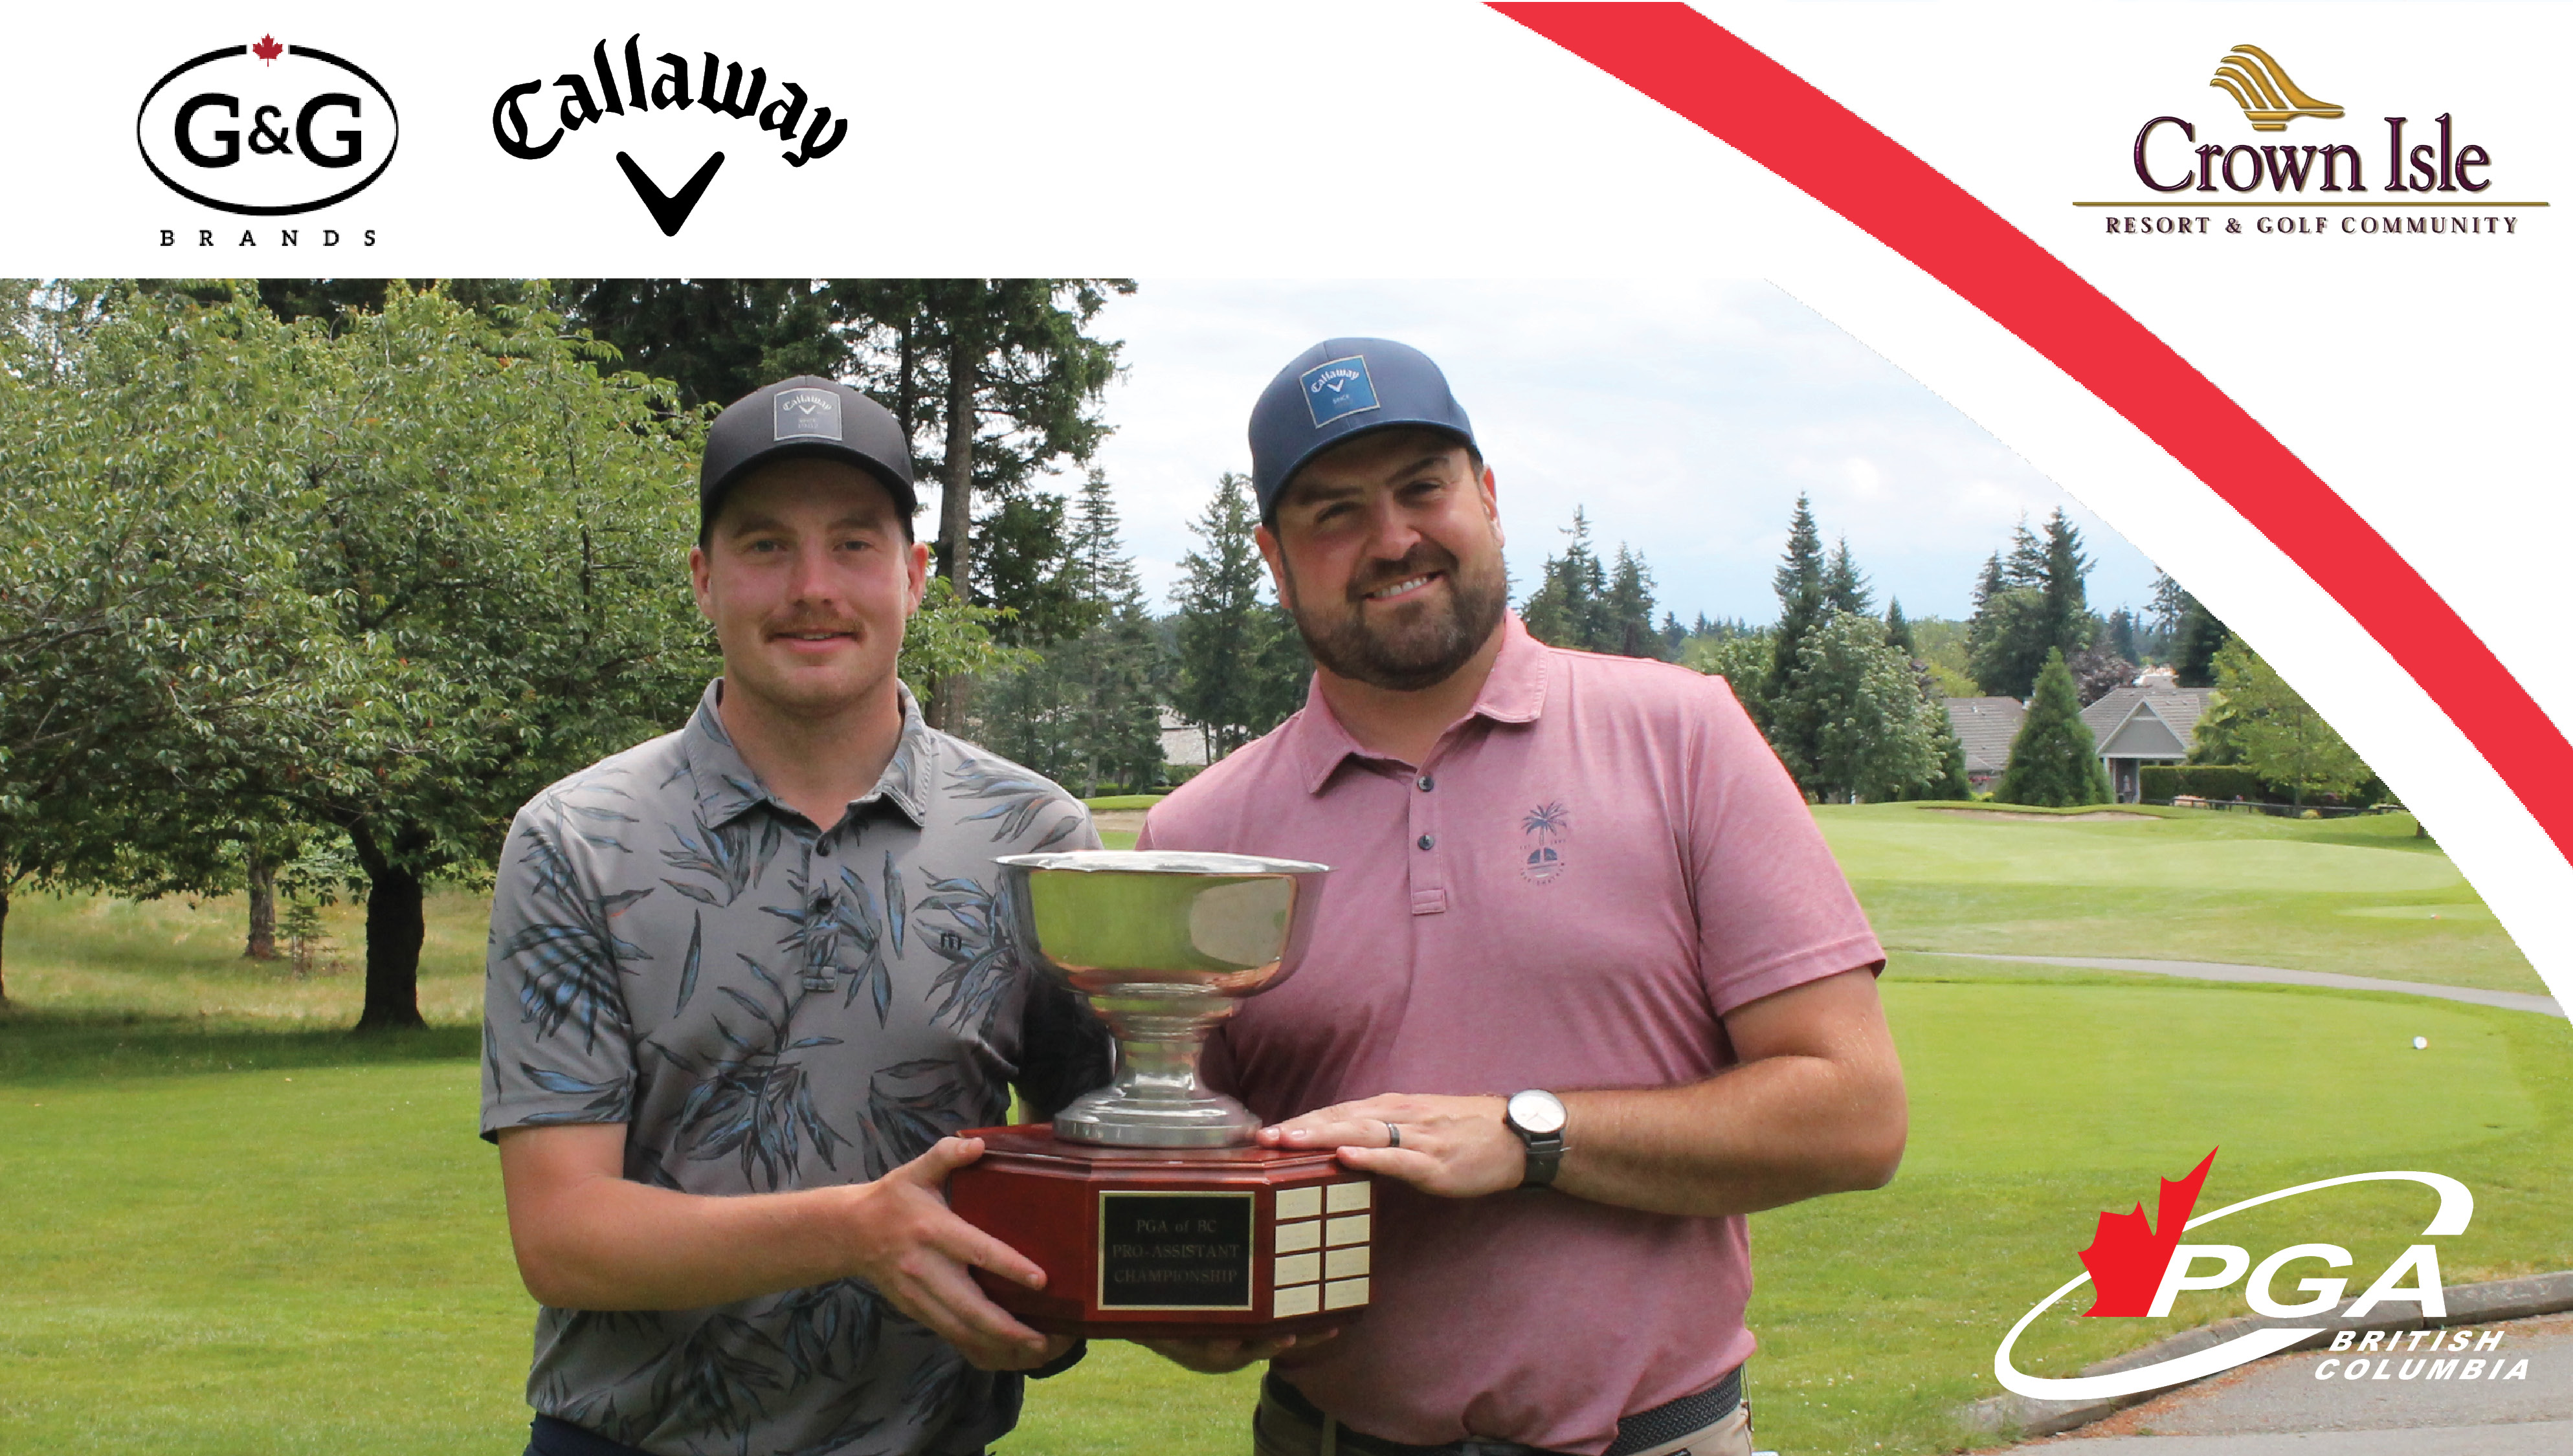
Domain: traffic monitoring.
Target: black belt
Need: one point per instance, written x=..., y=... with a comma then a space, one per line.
x=1642, y=1431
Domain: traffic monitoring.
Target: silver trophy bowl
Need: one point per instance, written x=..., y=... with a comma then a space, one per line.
x=1162, y=945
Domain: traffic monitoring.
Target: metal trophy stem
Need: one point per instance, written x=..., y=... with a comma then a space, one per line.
x=1162, y=945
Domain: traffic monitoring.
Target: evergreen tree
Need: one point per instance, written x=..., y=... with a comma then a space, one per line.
x=1024, y=564
x=2196, y=644
x=2070, y=624
x=1844, y=585
x=2054, y=761
x=1627, y=621
x=1674, y=636
x=2028, y=603
x=1087, y=711
x=715, y=338
x=1802, y=593
x=1239, y=661
x=1570, y=607
x=2121, y=637
x=1897, y=632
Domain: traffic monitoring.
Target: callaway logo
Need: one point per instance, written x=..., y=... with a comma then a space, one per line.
x=2141, y=1266
x=806, y=413
x=1337, y=387
x=673, y=83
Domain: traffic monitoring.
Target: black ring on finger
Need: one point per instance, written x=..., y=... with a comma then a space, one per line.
x=1393, y=1135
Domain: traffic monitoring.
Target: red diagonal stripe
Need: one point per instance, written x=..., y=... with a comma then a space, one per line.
x=1710, y=76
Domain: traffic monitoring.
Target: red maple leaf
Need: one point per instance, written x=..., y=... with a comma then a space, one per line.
x=268, y=49
x=2127, y=1255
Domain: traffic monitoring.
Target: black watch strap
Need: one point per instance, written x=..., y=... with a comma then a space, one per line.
x=1537, y=1117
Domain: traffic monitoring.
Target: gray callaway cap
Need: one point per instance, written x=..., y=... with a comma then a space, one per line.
x=805, y=417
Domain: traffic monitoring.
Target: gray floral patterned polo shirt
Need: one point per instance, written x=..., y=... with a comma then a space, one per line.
x=766, y=1004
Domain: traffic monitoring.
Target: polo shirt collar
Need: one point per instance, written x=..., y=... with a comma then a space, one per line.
x=1515, y=692
x=728, y=788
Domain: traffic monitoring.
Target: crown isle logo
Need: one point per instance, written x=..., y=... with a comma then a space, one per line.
x=2412, y=178
x=2260, y=86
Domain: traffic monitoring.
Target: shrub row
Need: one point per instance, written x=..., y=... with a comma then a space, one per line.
x=2206, y=781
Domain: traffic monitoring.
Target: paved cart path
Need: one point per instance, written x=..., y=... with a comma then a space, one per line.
x=2277, y=1407
x=2223, y=970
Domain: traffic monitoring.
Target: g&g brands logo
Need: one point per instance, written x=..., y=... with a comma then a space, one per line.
x=2140, y=1267
x=266, y=130
x=2419, y=185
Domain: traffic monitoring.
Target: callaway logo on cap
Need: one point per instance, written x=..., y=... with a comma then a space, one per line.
x=807, y=415
x=1339, y=387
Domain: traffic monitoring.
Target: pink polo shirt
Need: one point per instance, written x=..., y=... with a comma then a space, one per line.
x=1595, y=865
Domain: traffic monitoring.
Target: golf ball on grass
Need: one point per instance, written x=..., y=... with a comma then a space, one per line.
x=2420, y=1044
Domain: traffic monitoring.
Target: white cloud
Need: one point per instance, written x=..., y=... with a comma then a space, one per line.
x=1683, y=417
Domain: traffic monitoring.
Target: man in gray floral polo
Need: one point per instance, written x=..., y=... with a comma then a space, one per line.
x=744, y=980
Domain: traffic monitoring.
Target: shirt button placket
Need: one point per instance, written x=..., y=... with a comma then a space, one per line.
x=1429, y=892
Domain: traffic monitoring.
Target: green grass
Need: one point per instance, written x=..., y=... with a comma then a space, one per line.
x=253, y=1262
x=2039, y=1102
x=182, y=958
x=237, y=1229
x=1123, y=800
x=2351, y=895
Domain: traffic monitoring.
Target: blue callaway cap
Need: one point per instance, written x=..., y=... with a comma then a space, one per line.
x=1337, y=388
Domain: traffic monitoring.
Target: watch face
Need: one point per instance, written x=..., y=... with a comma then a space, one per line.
x=1538, y=1112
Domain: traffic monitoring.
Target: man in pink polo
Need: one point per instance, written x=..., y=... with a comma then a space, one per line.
x=1586, y=985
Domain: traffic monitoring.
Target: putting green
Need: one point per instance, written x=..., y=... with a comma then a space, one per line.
x=2187, y=887
x=2052, y=1079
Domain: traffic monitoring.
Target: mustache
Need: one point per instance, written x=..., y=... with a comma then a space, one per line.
x=1420, y=560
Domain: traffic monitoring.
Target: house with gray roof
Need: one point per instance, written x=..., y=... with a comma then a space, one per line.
x=1985, y=727
x=2134, y=726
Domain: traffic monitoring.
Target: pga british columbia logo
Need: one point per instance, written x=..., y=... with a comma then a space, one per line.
x=265, y=130
x=2140, y=1267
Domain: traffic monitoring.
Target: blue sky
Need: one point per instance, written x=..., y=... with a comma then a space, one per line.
x=1682, y=417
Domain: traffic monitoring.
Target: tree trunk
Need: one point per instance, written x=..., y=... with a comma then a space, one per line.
x=955, y=514
x=395, y=928
x=4, y=941
x=260, y=945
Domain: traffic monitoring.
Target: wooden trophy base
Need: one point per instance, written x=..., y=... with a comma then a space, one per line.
x=1153, y=1242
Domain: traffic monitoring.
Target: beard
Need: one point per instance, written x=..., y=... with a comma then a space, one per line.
x=1427, y=648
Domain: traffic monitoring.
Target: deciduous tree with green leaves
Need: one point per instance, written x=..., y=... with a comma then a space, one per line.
x=152, y=653
x=1853, y=724
x=2278, y=733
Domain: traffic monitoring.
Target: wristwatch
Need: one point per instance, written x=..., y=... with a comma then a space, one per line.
x=1537, y=1117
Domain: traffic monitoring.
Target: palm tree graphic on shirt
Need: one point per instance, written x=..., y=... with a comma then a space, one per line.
x=1544, y=825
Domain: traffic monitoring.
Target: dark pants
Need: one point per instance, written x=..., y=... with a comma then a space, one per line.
x=1290, y=1426
x=549, y=1437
